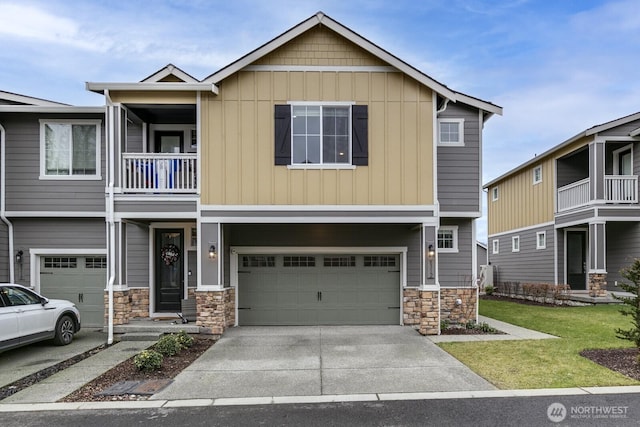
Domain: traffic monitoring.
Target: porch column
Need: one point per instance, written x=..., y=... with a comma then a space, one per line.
x=596, y=169
x=210, y=275
x=429, y=257
x=597, y=276
x=121, y=297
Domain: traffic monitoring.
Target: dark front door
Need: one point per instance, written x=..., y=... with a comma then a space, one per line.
x=169, y=270
x=169, y=141
x=577, y=259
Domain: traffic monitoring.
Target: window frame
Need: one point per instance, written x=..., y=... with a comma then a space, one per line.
x=322, y=105
x=542, y=234
x=70, y=177
x=537, y=179
x=495, y=246
x=454, y=232
x=495, y=194
x=460, y=123
x=515, y=243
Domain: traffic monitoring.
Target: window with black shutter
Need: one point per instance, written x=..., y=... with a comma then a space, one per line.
x=318, y=134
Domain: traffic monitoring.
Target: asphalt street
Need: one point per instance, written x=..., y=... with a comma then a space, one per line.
x=583, y=410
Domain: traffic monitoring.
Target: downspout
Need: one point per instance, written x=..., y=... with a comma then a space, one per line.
x=109, y=122
x=3, y=216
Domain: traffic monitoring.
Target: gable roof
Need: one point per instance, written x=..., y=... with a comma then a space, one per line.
x=322, y=19
x=17, y=99
x=169, y=70
x=588, y=132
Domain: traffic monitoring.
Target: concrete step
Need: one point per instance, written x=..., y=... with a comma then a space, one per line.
x=155, y=327
x=141, y=336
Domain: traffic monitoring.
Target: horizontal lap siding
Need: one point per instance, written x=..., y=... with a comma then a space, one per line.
x=137, y=256
x=334, y=235
x=623, y=246
x=56, y=234
x=456, y=269
x=528, y=265
x=459, y=167
x=623, y=130
x=25, y=191
x=4, y=253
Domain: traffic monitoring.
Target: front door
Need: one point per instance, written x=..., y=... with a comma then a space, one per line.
x=577, y=259
x=169, y=283
x=169, y=141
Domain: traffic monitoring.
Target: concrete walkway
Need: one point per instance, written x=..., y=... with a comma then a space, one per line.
x=511, y=332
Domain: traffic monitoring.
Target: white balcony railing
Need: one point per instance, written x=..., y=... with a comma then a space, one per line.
x=621, y=188
x=573, y=195
x=159, y=173
x=617, y=189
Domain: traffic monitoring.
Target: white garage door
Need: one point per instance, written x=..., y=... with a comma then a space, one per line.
x=79, y=279
x=323, y=289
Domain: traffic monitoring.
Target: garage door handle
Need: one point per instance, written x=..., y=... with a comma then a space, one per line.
x=46, y=272
x=393, y=271
x=80, y=297
x=319, y=296
x=393, y=308
x=244, y=308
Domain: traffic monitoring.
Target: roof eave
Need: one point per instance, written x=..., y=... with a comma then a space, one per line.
x=50, y=109
x=156, y=86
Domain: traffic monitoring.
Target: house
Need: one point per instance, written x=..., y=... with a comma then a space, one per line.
x=570, y=215
x=318, y=179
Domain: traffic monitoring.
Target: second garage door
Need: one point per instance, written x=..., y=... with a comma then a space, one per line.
x=320, y=289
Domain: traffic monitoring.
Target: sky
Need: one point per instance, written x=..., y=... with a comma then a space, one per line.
x=556, y=67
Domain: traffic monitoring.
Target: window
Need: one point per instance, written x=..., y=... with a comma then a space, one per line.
x=95, y=262
x=314, y=135
x=379, y=261
x=541, y=240
x=448, y=239
x=340, y=261
x=515, y=244
x=258, y=261
x=60, y=262
x=495, y=246
x=537, y=175
x=451, y=131
x=299, y=261
x=19, y=296
x=494, y=194
x=70, y=150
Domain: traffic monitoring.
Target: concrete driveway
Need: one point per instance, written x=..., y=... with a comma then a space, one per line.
x=322, y=360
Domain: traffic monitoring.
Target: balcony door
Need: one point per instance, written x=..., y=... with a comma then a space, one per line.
x=169, y=141
x=577, y=259
x=622, y=161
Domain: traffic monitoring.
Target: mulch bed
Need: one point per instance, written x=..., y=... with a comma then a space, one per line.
x=622, y=360
x=465, y=331
x=522, y=301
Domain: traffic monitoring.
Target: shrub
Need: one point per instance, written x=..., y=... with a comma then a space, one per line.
x=444, y=324
x=184, y=339
x=148, y=360
x=471, y=324
x=485, y=327
x=168, y=345
x=632, y=303
x=489, y=289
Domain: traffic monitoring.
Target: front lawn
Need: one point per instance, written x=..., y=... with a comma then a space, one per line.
x=551, y=363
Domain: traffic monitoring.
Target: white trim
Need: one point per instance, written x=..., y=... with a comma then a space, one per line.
x=155, y=215
x=520, y=230
x=156, y=198
x=71, y=177
x=279, y=250
x=451, y=214
x=480, y=168
x=495, y=246
x=325, y=68
x=542, y=234
x=454, y=230
x=515, y=243
x=586, y=254
x=434, y=145
x=337, y=208
x=60, y=109
x=162, y=86
x=460, y=141
x=474, y=259
x=432, y=221
x=36, y=253
x=539, y=177
x=321, y=103
x=168, y=70
x=344, y=166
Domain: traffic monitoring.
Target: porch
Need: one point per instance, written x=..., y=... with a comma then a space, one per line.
x=618, y=189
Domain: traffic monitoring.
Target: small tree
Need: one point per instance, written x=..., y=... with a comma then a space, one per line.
x=632, y=303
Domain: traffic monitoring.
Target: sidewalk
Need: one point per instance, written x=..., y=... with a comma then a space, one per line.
x=511, y=332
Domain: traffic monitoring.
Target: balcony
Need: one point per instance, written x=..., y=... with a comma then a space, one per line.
x=159, y=173
x=618, y=189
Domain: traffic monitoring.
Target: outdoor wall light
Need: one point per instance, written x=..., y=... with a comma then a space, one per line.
x=212, y=251
x=431, y=252
x=19, y=257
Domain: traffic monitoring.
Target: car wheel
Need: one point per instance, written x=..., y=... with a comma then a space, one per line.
x=65, y=328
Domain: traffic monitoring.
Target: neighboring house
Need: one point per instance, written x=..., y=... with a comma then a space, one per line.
x=570, y=215
x=482, y=256
x=316, y=180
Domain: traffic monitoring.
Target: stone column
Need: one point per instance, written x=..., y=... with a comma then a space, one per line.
x=597, y=255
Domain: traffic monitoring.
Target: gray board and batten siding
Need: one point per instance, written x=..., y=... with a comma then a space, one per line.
x=455, y=269
x=329, y=235
x=137, y=255
x=459, y=166
x=623, y=247
x=25, y=191
x=529, y=265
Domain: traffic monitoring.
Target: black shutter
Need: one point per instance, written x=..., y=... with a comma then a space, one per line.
x=360, y=137
x=282, y=135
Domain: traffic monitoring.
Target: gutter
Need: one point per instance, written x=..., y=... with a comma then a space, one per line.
x=3, y=207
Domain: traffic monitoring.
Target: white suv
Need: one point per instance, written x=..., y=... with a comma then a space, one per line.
x=26, y=317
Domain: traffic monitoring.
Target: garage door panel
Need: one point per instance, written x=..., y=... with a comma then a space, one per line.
x=319, y=289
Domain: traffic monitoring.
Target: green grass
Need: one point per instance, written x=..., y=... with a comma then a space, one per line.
x=551, y=363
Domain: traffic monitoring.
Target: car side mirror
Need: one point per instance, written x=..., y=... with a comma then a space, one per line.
x=44, y=301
